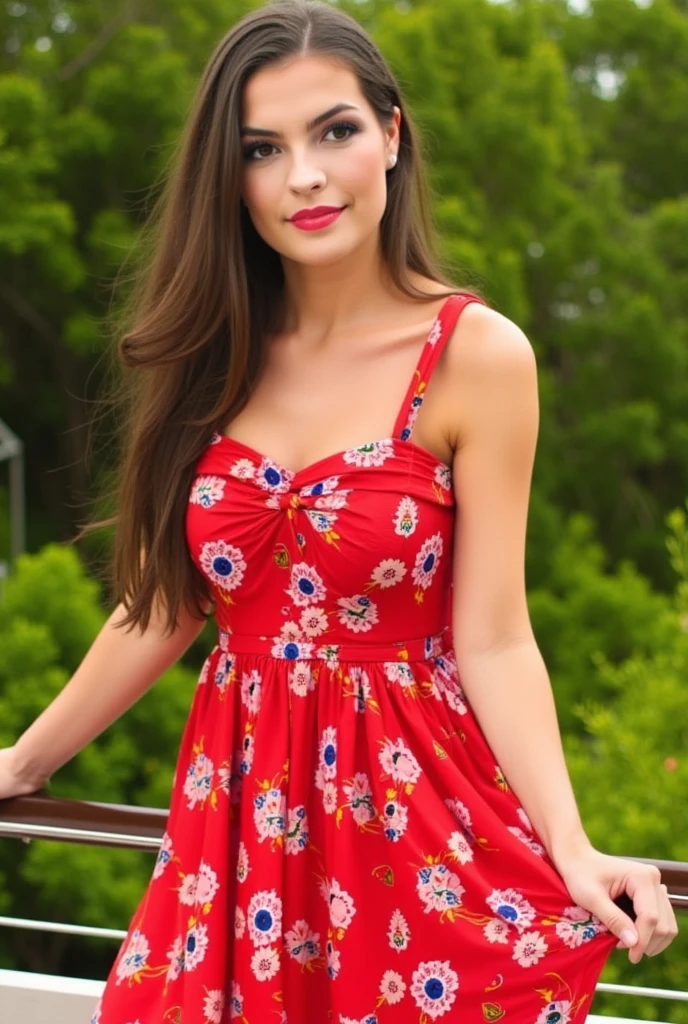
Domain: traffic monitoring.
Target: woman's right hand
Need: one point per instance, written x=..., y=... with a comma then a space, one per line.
x=12, y=783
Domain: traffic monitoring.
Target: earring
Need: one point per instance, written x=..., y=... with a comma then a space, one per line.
x=392, y=160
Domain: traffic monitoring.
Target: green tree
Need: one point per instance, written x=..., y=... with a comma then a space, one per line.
x=630, y=773
x=48, y=619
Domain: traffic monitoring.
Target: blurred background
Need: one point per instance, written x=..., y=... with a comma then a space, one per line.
x=556, y=137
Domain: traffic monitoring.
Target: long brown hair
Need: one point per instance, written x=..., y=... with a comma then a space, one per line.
x=207, y=294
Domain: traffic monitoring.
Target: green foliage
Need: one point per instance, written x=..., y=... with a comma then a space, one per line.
x=630, y=771
x=49, y=617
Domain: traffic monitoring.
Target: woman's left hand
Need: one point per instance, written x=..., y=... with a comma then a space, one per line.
x=594, y=880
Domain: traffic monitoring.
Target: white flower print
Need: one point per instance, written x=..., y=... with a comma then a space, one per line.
x=461, y=813
x=243, y=469
x=439, y=888
x=134, y=957
x=291, y=650
x=398, y=761
x=399, y=672
x=164, y=855
x=332, y=502
x=265, y=963
x=446, y=683
x=327, y=752
x=394, y=818
x=443, y=477
x=370, y=1019
x=333, y=960
x=357, y=613
x=399, y=934
x=214, y=1006
x=313, y=621
x=223, y=563
x=329, y=653
x=460, y=847
x=433, y=987
x=578, y=926
x=388, y=573
x=559, y=1012
x=329, y=797
x=273, y=478
x=463, y=817
x=372, y=454
x=341, y=904
x=436, y=332
x=243, y=864
x=236, y=1002
x=306, y=586
x=187, y=890
x=392, y=987
x=406, y=517
x=416, y=403
x=264, y=915
x=525, y=820
x=512, y=906
x=207, y=491
x=327, y=486
x=244, y=756
x=207, y=884
x=497, y=930
x=427, y=560
x=297, y=837
x=359, y=796
x=269, y=809
x=455, y=701
x=239, y=922
x=199, y=779
x=196, y=946
x=529, y=949
x=251, y=688
x=527, y=840
x=224, y=672
x=362, y=691
x=301, y=943
x=322, y=522
x=176, y=955
x=301, y=679
x=291, y=631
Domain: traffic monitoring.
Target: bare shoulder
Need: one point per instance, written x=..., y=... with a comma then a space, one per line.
x=484, y=339
x=489, y=366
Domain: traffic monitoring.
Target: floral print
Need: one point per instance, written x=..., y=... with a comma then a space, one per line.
x=342, y=846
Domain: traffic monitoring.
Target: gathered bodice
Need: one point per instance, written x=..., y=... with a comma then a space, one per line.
x=354, y=549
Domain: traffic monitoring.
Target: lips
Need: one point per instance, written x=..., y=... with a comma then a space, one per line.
x=317, y=211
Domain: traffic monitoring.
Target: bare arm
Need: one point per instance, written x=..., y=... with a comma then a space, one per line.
x=493, y=369
x=116, y=671
x=501, y=668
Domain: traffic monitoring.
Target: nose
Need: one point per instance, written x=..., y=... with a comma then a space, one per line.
x=305, y=174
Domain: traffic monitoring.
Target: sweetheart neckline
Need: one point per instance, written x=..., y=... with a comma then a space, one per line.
x=334, y=455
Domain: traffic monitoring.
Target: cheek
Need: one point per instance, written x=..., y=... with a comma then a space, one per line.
x=258, y=191
x=363, y=175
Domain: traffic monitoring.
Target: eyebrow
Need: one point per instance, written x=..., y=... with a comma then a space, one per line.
x=309, y=126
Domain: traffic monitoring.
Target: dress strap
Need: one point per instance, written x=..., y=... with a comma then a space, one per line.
x=441, y=330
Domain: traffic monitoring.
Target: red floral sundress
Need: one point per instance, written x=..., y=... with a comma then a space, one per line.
x=342, y=847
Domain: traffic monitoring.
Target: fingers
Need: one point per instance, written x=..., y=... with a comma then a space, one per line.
x=655, y=921
x=667, y=928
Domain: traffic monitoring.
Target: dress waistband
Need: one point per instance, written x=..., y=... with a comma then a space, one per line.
x=416, y=649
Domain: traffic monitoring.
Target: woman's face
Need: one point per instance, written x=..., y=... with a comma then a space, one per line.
x=330, y=164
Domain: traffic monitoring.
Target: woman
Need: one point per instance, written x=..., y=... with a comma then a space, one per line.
x=371, y=819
